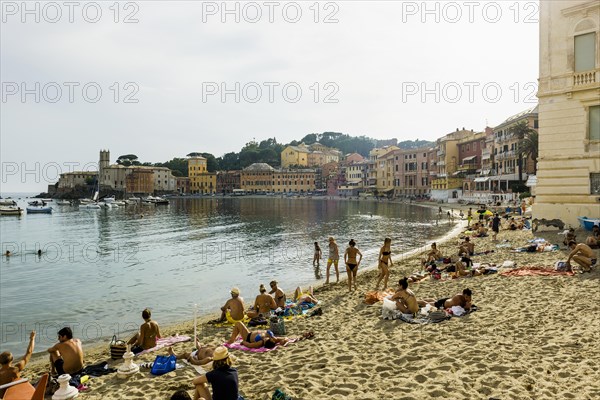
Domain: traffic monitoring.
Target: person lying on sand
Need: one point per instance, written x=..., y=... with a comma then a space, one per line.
x=201, y=356
x=583, y=255
x=146, y=338
x=9, y=372
x=308, y=297
x=405, y=299
x=463, y=300
x=233, y=310
x=259, y=338
x=263, y=304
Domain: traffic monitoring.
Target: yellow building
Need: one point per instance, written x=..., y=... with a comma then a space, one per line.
x=196, y=172
x=381, y=177
x=568, y=175
x=207, y=182
x=294, y=180
x=257, y=177
x=294, y=156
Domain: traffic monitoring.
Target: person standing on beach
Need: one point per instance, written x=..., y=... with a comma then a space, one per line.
x=146, y=338
x=334, y=258
x=352, y=263
x=385, y=261
x=469, y=216
x=495, y=226
x=66, y=357
x=9, y=372
x=317, y=256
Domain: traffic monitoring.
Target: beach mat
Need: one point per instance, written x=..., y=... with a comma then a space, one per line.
x=536, y=271
x=164, y=342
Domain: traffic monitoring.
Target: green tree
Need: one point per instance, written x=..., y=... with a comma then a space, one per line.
x=520, y=131
x=212, y=164
x=127, y=160
x=529, y=147
x=229, y=162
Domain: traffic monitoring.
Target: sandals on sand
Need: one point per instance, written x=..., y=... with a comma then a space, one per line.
x=308, y=335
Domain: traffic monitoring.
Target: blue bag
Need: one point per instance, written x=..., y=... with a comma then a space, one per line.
x=163, y=364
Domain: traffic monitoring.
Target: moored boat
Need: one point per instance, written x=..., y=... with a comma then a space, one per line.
x=10, y=210
x=39, y=210
x=156, y=200
x=5, y=202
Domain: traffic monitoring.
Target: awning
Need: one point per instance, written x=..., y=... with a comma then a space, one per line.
x=482, y=179
x=485, y=156
x=468, y=158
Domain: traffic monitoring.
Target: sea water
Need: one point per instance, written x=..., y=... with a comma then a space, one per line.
x=100, y=268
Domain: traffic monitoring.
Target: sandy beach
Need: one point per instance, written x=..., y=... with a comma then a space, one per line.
x=533, y=337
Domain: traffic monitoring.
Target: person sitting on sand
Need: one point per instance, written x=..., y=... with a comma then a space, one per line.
x=180, y=395
x=305, y=297
x=405, y=299
x=570, y=237
x=66, y=357
x=594, y=240
x=201, y=356
x=223, y=379
x=466, y=247
x=146, y=337
x=233, y=310
x=583, y=255
x=278, y=294
x=463, y=300
x=9, y=372
x=481, y=231
x=260, y=338
x=433, y=255
x=263, y=304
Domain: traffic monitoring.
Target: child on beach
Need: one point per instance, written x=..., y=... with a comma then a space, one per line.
x=317, y=255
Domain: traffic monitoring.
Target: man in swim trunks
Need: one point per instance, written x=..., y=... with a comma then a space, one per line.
x=234, y=307
x=146, y=338
x=278, y=294
x=66, y=357
x=583, y=255
x=463, y=300
x=9, y=372
x=201, y=356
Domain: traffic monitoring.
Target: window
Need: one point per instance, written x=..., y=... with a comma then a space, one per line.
x=585, y=52
x=595, y=183
x=594, y=123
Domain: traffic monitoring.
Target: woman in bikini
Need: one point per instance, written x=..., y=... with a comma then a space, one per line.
x=278, y=294
x=263, y=304
x=334, y=257
x=385, y=261
x=351, y=263
x=261, y=338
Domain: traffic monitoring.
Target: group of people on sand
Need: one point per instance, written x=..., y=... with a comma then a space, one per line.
x=407, y=302
x=352, y=259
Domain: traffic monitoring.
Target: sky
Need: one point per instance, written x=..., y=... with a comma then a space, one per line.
x=162, y=79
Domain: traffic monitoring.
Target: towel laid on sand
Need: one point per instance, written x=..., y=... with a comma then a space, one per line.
x=535, y=271
x=237, y=345
x=164, y=342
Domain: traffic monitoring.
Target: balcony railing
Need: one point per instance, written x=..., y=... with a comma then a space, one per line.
x=505, y=155
x=585, y=78
x=441, y=153
x=504, y=138
x=441, y=163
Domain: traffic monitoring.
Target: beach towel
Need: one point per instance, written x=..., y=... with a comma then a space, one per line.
x=237, y=345
x=536, y=271
x=164, y=342
x=375, y=296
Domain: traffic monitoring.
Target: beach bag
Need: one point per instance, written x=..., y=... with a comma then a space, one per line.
x=280, y=395
x=277, y=325
x=117, y=348
x=438, y=316
x=163, y=365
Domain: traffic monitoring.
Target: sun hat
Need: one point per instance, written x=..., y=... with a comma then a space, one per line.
x=235, y=291
x=220, y=353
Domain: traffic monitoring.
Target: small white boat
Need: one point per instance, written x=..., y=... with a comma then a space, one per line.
x=39, y=210
x=156, y=200
x=89, y=206
x=8, y=203
x=10, y=210
x=37, y=203
x=120, y=203
x=63, y=203
x=110, y=199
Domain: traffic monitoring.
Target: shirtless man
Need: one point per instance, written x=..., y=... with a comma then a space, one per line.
x=263, y=304
x=9, y=372
x=278, y=294
x=146, y=338
x=583, y=255
x=405, y=299
x=201, y=356
x=433, y=255
x=463, y=300
x=234, y=307
x=66, y=356
x=467, y=247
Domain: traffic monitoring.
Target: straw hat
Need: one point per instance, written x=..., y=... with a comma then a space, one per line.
x=235, y=291
x=220, y=353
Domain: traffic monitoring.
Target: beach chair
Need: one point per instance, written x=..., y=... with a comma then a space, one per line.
x=22, y=389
